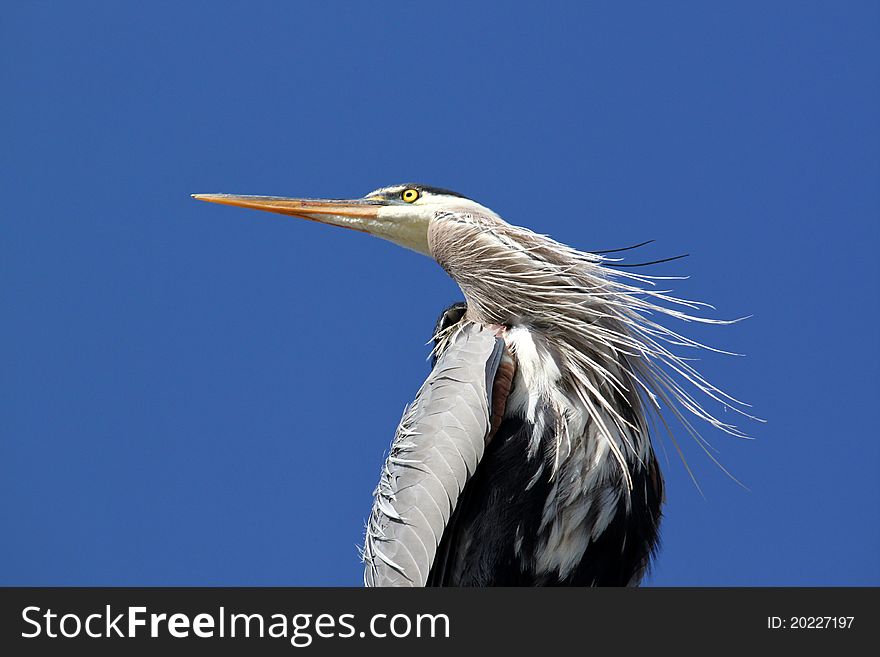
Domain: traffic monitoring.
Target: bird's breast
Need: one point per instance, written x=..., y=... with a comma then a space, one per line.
x=537, y=373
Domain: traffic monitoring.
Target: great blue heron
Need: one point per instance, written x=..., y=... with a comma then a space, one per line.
x=525, y=458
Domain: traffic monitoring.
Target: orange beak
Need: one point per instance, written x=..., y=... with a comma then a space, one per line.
x=396, y=222
x=344, y=213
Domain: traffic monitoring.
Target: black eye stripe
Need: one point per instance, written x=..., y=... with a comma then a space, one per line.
x=396, y=191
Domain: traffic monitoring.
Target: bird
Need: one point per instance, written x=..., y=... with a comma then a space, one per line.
x=526, y=457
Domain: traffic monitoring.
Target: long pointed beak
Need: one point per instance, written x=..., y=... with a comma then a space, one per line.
x=397, y=222
x=355, y=213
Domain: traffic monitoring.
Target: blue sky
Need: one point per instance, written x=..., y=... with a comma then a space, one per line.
x=194, y=394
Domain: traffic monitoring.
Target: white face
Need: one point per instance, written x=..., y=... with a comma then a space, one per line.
x=409, y=211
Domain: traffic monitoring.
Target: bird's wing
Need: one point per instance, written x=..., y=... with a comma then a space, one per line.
x=435, y=451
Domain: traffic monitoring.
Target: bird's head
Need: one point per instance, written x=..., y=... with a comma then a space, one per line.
x=398, y=213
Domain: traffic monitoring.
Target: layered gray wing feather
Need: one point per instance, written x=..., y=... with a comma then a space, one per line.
x=435, y=451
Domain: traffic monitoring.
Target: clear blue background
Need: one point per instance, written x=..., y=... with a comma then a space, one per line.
x=192, y=394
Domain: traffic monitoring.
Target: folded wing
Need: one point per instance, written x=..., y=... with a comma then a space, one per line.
x=435, y=451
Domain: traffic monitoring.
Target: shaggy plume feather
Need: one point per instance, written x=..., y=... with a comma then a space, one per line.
x=599, y=322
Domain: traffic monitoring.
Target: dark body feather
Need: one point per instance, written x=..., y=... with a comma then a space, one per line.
x=494, y=534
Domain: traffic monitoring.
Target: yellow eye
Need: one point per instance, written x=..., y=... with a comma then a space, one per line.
x=410, y=195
